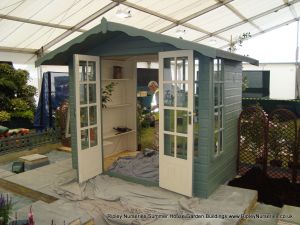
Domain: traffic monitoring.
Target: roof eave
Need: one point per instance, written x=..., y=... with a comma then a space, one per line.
x=155, y=37
x=233, y=56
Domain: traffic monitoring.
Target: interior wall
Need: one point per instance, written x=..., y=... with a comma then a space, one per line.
x=282, y=78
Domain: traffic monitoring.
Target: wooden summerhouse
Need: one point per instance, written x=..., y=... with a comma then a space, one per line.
x=200, y=91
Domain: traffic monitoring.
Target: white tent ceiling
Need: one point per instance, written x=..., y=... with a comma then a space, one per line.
x=29, y=25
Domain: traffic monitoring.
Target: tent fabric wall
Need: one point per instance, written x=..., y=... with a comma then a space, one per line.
x=54, y=91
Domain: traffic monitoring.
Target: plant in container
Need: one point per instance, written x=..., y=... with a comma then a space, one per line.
x=107, y=93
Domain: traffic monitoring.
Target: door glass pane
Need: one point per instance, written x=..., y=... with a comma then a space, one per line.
x=93, y=137
x=84, y=139
x=169, y=120
x=92, y=93
x=82, y=70
x=182, y=121
x=169, y=69
x=168, y=94
x=182, y=95
x=169, y=144
x=181, y=147
x=182, y=68
x=91, y=71
x=83, y=94
x=83, y=116
x=93, y=115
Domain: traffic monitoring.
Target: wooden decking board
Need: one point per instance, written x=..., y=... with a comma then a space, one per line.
x=27, y=192
x=109, y=160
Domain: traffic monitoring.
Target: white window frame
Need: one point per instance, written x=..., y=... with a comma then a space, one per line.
x=219, y=147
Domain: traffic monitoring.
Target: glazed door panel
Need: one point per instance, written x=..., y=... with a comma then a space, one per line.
x=88, y=116
x=176, y=122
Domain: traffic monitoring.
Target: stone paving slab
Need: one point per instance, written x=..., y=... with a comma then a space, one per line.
x=260, y=210
x=5, y=173
x=287, y=211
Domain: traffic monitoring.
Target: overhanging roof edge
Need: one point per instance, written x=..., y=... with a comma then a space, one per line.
x=159, y=38
x=48, y=56
x=233, y=56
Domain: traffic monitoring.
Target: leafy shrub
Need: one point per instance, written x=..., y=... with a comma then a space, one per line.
x=4, y=116
x=18, y=104
x=28, y=114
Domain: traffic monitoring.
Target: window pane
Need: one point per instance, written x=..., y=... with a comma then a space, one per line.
x=216, y=135
x=83, y=116
x=182, y=121
x=168, y=94
x=216, y=94
x=196, y=96
x=196, y=144
x=92, y=93
x=169, y=120
x=221, y=118
x=196, y=62
x=182, y=95
x=84, y=139
x=93, y=115
x=216, y=116
x=169, y=69
x=221, y=141
x=221, y=94
x=182, y=68
x=91, y=71
x=181, y=147
x=169, y=144
x=82, y=70
x=83, y=94
x=93, y=136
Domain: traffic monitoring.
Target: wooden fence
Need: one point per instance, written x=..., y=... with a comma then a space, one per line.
x=270, y=142
x=21, y=142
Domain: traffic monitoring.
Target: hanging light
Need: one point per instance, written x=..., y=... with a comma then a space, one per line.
x=123, y=13
x=180, y=31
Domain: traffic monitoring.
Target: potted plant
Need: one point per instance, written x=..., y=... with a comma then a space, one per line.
x=107, y=93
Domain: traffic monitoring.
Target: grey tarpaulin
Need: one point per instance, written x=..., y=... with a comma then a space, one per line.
x=143, y=166
x=104, y=197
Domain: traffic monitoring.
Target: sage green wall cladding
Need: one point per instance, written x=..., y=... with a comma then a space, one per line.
x=73, y=126
x=223, y=167
x=201, y=160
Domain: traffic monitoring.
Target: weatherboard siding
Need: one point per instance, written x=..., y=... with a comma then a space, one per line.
x=201, y=160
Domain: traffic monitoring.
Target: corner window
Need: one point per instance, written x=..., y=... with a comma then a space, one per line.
x=218, y=87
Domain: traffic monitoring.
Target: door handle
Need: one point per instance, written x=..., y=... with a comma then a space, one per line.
x=190, y=118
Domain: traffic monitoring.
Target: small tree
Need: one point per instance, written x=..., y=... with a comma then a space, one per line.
x=16, y=96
